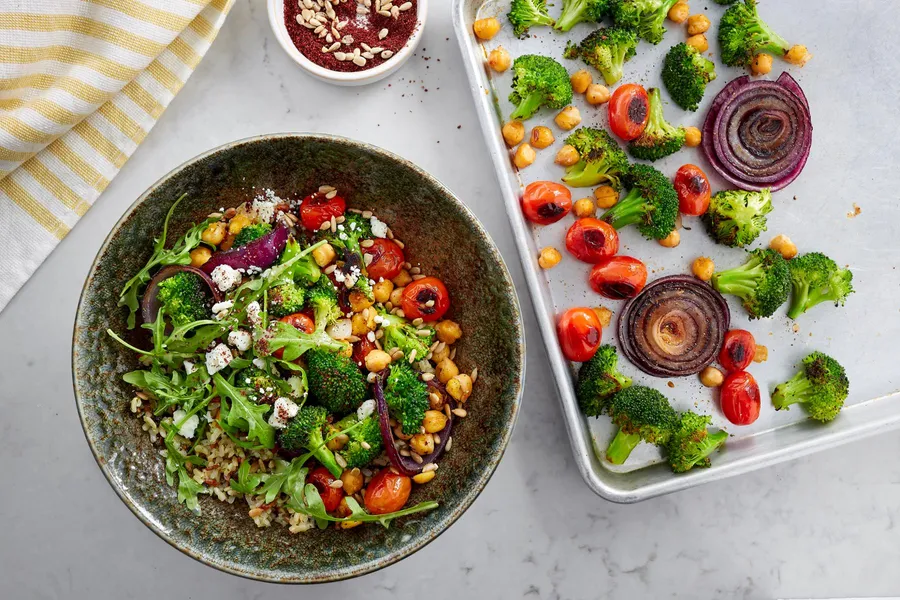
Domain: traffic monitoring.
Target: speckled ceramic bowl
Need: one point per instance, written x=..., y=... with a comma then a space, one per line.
x=441, y=234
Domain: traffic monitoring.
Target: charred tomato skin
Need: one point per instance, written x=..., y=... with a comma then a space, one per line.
x=316, y=209
x=322, y=480
x=580, y=333
x=629, y=111
x=387, y=259
x=546, y=202
x=592, y=240
x=693, y=190
x=387, y=492
x=361, y=349
x=418, y=294
x=740, y=399
x=618, y=277
x=737, y=351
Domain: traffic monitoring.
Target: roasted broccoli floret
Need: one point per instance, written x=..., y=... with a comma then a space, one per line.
x=686, y=73
x=263, y=389
x=365, y=440
x=821, y=387
x=660, y=139
x=304, y=432
x=816, y=278
x=737, y=217
x=641, y=414
x=184, y=297
x=250, y=233
x=347, y=238
x=743, y=35
x=335, y=381
x=577, y=11
x=323, y=299
x=647, y=17
x=538, y=81
x=607, y=50
x=286, y=299
x=651, y=203
x=406, y=397
x=525, y=14
x=598, y=380
x=400, y=333
x=762, y=283
x=691, y=443
x=305, y=271
x=600, y=159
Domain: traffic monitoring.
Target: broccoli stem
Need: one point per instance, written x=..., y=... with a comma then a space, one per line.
x=800, y=302
x=528, y=105
x=620, y=448
x=322, y=454
x=709, y=445
x=629, y=211
x=791, y=391
x=774, y=43
x=740, y=280
x=571, y=14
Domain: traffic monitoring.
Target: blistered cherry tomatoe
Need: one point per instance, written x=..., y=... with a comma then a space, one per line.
x=739, y=397
x=618, y=277
x=693, y=190
x=737, y=351
x=318, y=208
x=426, y=299
x=592, y=240
x=387, y=259
x=629, y=111
x=580, y=334
x=546, y=202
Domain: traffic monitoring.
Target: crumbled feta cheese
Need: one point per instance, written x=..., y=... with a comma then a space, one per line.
x=240, y=339
x=220, y=309
x=379, y=227
x=370, y=336
x=190, y=425
x=218, y=358
x=298, y=386
x=339, y=276
x=225, y=277
x=264, y=210
x=283, y=410
x=365, y=409
x=209, y=417
x=254, y=316
x=189, y=367
x=259, y=363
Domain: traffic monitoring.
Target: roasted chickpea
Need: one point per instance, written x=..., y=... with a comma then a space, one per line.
x=568, y=118
x=338, y=441
x=580, y=79
x=541, y=137
x=377, y=360
x=353, y=480
x=214, y=233
x=762, y=64
x=761, y=354
x=606, y=196
x=783, y=245
x=237, y=223
x=401, y=280
x=567, y=156
x=798, y=55
x=698, y=42
x=692, y=137
x=359, y=327
x=448, y=331
x=499, y=59
x=485, y=29
x=434, y=421
x=324, y=255
x=460, y=387
x=396, y=296
x=679, y=12
x=703, y=268
x=597, y=94
x=671, y=240
x=447, y=370
x=423, y=477
x=549, y=257
x=382, y=290
x=525, y=156
x=584, y=208
x=711, y=377
x=422, y=443
x=440, y=354
x=358, y=301
x=697, y=24
x=604, y=315
x=200, y=255
x=513, y=133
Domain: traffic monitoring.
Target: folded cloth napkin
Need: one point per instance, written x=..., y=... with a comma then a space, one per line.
x=82, y=82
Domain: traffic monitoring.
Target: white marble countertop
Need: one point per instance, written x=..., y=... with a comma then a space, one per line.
x=819, y=527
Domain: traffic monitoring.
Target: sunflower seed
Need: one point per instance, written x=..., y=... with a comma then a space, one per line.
x=324, y=226
x=340, y=56
x=359, y=61
x=367, y=243
x=365, y=46
x=416, y=458
x=427, y=376
x=376, y=50
x=423, y=332
x=331, y=194
x=328, y=38
x=384, y=13
x=347, y=40
x=395, y=12
x=368, y=55
x=460, y=412
x=429, y=467
x=474, y=374
x=417, y=322
x=367, y=214
x=383, y=34
x=314, y=22
x=405, y=6
x=362, y=10
x=418, y=277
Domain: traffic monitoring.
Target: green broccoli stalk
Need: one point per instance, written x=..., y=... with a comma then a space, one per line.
x=691, y=443
x=349, y=234
x=647, y=17
x=400, y=333
x=406, y=397
x=304, y=432
x=736, y=217
x=686, y=73
x=607, y=50
x=651, y=203
x=365, y=440
x=335, y=381
x=743, y=35
x=641, y=414
x=821, y=388
x=600, y=159
x=323, y=299
x=286, y=299
x=578, y=11
x=815, y=278
x=762, y=283
x=538, y=81
x=525, y=14
x=250, y=233
x=184, y=297
x=598, y=380
x=660, y=139
x=305, y=271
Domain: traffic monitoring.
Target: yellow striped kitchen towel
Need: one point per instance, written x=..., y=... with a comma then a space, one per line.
x=82, y=82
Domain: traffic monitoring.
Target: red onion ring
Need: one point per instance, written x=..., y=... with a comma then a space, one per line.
x=404, y=464
x=260, y=253
x=674, y=327
x=758, y=134
x=150, y=303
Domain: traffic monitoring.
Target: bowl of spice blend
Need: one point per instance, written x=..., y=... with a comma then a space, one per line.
x=348, y=42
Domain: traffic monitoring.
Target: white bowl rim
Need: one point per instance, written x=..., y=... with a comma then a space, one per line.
x=276, y=21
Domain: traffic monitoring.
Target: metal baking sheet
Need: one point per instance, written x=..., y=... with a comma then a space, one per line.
x=854, y=162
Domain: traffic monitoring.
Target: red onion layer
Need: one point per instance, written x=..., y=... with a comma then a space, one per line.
x=150, y=303
x=758, y=134
x=674, y=327
x=260, y=253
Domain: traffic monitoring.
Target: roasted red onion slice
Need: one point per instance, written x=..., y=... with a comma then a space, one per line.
x=758, y=134
x=260, y=253
x=150, y=304
x=404, y=464
x=674, y=327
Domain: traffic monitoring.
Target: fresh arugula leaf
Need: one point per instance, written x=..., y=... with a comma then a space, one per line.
x=177, y=390
x=294, y=342
x=288, y=476
x=188, y=489
x=243, y=413
x=247, y=482
x=254, y=289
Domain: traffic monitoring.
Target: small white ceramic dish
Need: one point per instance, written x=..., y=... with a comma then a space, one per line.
x=364, y=77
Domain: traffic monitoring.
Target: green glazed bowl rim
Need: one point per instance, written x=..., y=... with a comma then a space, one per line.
x=416, y=543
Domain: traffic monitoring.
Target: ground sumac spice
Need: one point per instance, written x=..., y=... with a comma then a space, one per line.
x=350, y=35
